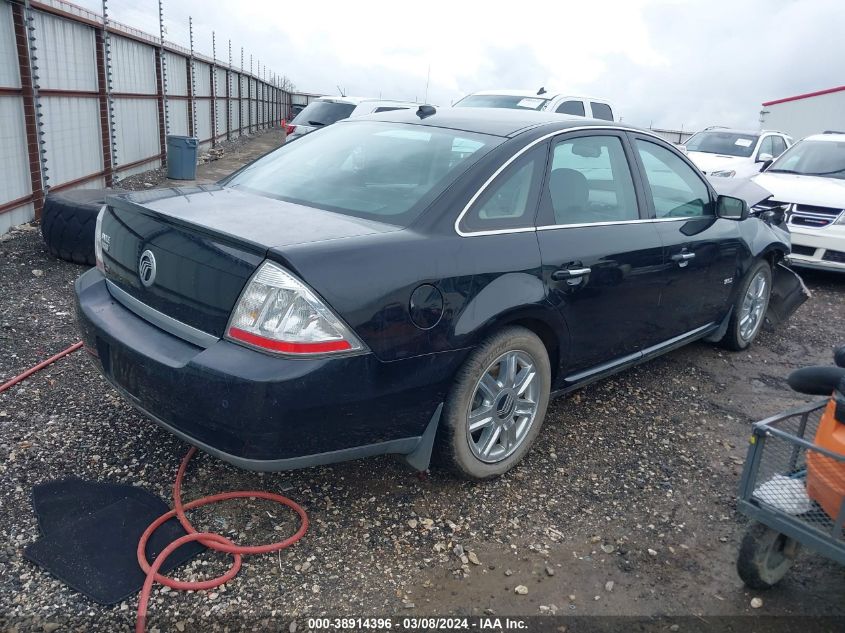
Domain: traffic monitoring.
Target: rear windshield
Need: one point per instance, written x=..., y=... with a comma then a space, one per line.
x=380, y=171
x=502, y=101
x=321, y=113
x=725, y=143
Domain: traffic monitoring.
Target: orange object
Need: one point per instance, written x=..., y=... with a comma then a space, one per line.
x=825, y=475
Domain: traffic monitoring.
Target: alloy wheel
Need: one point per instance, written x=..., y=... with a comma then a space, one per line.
x=753, y=308
x=503, y=406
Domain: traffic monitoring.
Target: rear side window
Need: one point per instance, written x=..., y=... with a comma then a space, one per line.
x=389, y=108
x=321, y=113
x=510, y=202
x=590, y=181
x=601, y=111
x=676, y=189
x=571, y=107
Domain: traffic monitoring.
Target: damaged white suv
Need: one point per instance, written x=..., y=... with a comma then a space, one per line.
x=808, y=181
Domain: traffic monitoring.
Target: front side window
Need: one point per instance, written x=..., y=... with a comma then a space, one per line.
x=723, y=142
x=571, y=107
x=676, y=189
x=767, y=146
x=376, y=170
x=601, y=111
x=510, y=202
x=590, y=181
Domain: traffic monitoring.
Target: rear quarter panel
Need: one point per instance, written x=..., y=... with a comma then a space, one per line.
x=485, y=282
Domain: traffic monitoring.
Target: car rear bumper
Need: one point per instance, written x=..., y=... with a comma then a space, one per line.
x=820, y=248
x=259, y=411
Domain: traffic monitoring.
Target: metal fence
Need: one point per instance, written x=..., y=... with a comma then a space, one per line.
x=678, y=137
x=85, y=101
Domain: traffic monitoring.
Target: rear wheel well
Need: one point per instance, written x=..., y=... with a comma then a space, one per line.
x=546, y=334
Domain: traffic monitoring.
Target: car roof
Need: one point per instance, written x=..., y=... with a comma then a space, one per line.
x=827, y=136
x=548, y=94
x=359, y=100
x=494, y=121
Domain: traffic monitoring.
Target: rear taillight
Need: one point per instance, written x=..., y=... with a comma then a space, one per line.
x=98, y=239
x=289, y=129
x=277, y=312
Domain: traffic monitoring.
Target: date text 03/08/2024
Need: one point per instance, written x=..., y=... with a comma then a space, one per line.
x=418, y=623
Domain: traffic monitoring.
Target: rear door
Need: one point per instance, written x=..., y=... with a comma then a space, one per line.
x=702, y=252
x=602, y=261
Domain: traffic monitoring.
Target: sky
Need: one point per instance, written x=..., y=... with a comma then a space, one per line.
x=673, y=64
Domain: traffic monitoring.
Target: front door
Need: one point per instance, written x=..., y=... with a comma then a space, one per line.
x=702, y=252
x=602, y=261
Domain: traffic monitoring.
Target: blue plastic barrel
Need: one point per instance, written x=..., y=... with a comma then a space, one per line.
x=182, y=157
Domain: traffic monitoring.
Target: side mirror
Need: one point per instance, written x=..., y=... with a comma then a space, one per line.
x=731, y=208
x=766, y=163
x=764, y=157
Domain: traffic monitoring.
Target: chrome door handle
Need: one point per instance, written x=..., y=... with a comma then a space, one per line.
x=682, y=258
x=569, y=273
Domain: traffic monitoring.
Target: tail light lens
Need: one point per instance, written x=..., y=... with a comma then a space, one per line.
x=98, y=239
x=277, y=312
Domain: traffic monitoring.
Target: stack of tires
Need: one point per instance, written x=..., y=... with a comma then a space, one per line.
x=67, y=223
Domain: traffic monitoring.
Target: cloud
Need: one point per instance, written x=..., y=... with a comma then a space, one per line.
x=669, y=63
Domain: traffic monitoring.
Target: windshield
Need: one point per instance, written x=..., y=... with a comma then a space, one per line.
x=370, y=169
x=813, y=158
x=321, y=113
x=721, y=142
x=502, y=101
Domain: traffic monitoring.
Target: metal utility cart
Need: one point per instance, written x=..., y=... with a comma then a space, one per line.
x=777, y=493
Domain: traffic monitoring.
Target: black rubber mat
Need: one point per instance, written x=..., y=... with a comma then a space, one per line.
x=91, y=533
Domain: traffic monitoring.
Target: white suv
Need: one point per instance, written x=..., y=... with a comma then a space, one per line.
x=722, y=152
x=808, y=180
x=327, y=110
x=589, y=107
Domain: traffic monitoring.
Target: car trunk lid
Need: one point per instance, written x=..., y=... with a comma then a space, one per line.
x=206, y=242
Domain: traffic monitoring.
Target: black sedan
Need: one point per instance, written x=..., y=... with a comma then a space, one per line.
x=419, y=282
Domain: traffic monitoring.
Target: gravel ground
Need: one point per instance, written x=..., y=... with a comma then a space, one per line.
x=626, y=505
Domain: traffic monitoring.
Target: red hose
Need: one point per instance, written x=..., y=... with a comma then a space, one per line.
x=39, y=367
x=212, y=541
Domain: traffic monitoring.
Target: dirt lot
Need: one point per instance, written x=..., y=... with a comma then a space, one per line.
x=633, y=481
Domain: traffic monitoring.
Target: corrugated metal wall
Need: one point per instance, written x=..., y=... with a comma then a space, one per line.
x=63, y=77
x=15, y=185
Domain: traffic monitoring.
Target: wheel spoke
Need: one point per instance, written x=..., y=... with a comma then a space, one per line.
x=491, y=440
x=508, y=437
x=480, y=418
x=523, y=379
x=489, y=387
x=525, y=407
x=507, y=370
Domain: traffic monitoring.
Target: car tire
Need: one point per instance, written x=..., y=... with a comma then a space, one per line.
x=480, y=388
x=67, y=223
x=751, y=303
x=765, y=556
